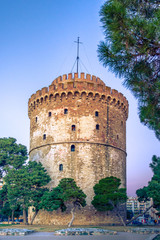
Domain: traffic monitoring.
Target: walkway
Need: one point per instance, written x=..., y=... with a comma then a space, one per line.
x=50, y=236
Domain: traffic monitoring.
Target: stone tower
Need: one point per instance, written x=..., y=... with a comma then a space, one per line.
x=78, y=130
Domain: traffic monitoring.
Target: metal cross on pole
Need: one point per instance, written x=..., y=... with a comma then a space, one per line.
x=78, y=42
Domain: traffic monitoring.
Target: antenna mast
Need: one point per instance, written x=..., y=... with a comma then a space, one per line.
x=78, y=42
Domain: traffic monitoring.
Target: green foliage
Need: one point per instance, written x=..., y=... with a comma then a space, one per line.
x=71, y=192
x=6, y=208
x=24, y=185
x=11, y=154
x=153, y=188
x=66, y=193
x=108, y=195
x=53, y=200
x=142, y=194
x=37, y=195
x=131, y=50
x=3, y=193
x=24, y=182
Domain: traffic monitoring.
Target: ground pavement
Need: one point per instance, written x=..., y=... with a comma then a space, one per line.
x=50, y=236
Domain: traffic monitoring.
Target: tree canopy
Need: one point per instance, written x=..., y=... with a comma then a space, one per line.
x=71, y=192
x=131, y=50
x=53, y=200
x=108, y=195
x=24, y=181
x=153, y=188
x=11, y=154
x=24, y=186
x=66, y=195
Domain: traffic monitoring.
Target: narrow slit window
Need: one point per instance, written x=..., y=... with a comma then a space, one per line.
x=96, y=113
x=44, y=136
x=36, y=119
x=49, y=114
x=73, y=127
x=65, y=111
x=97, y=127
x=72, y=148
x=60, y=167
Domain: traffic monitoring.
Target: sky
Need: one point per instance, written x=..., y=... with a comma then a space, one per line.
x=36, y=46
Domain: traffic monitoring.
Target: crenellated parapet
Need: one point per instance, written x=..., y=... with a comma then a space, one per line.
x=78, y=131
x=73, y=86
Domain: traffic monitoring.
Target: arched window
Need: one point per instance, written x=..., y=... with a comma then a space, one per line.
x=65, y=111
x=73, y=127
x=49, y=114
x=36, y=119
x=60, y=167
x=72, y=148
x=97, y=127
x=96, y=113
x=44, y=136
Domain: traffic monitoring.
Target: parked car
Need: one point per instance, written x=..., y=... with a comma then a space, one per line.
x=135, y=222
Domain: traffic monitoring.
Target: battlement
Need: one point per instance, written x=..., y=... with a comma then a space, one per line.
x=72, y=85
x=77, y=77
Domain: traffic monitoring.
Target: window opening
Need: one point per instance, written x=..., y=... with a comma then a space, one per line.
x=36, y=119
x=96, y=113
x=73, y=127
x=49, y=114
x=72, y=148
x=60, y=167
x=44, y=136
x=65, y=111
x=97, y=127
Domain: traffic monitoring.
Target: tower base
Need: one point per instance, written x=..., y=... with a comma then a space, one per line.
x=86, y=216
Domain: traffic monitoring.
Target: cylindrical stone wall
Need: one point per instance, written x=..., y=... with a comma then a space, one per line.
x=78, y=130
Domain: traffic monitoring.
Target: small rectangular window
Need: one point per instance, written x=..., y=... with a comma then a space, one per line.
x=65, y=111
x=49, y=114
x=97, y=127
x=96, y=113
x=73, y=127
x=44, y=136
x=60, y=167
x=72, y=148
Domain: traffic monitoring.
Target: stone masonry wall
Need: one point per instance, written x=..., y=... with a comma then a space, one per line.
x=78, y=130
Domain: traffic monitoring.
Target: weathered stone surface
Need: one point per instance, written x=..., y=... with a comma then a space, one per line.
x=84, y=231
x=144, y=230
x=85, y=113
x=15, y=232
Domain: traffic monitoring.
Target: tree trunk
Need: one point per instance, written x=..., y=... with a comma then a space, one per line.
x=139, y=215
x=34, y=215
x=119, y=215
x=25, y=217
x=72, y=212
x=8, y=219
x=12, y=216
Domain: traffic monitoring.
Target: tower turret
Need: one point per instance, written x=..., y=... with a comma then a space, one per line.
x=78, y=130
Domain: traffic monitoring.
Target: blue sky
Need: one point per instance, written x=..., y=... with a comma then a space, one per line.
x=36, y=46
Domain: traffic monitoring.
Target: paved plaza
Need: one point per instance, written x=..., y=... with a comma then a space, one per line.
x=50, y=236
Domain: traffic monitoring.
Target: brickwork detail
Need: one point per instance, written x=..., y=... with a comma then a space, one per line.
x=78, y=130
